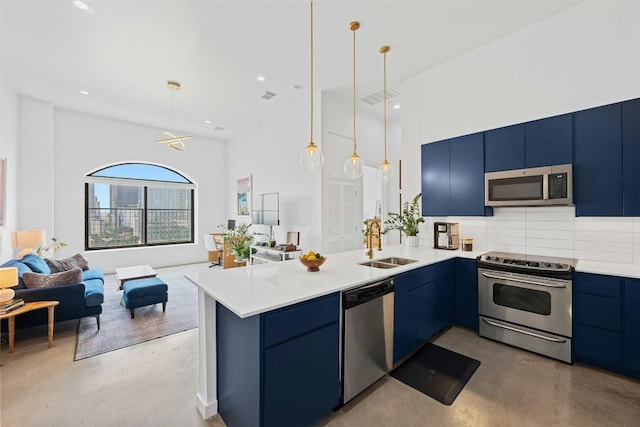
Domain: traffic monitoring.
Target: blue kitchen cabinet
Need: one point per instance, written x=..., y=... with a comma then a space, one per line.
x=409, y=328
x=445, y=304
x=467, y=293
x=632, y=327
x=597, y=169
x=549, y=141
x=436, y=191
x=281, y=367
x=597, y=320
x=504, y=148
x=453, y=177
x=631, y=154
x=426, y=300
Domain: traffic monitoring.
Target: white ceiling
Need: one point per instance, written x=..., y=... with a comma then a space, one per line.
x=125, y=51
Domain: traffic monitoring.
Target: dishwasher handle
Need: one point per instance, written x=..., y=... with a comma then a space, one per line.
x=367, y=293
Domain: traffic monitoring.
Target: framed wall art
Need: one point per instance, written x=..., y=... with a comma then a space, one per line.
x=243, y=197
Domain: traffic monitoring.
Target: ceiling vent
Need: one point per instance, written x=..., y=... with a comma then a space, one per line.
x=218, y=128
x=267, y=95
x=377, y=96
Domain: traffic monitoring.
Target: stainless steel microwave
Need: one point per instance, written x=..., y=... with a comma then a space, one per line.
x=543, y=186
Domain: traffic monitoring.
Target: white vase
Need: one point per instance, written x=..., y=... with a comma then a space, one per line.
x=413, y=241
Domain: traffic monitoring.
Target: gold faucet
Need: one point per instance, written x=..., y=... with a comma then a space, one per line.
x=369, y=238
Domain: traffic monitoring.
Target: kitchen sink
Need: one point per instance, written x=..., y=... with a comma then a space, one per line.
x=398, y=261
x=378, y=264
x=388, y=262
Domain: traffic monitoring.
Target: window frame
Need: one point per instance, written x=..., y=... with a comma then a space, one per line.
x=144, y=184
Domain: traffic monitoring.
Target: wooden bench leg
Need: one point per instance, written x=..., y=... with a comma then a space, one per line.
x=133, y=313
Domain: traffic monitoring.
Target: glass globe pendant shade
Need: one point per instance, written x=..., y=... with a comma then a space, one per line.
x=385, y=172
x=311, y=158
x=354, y=166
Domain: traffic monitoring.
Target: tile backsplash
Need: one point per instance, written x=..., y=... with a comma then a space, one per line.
x=552, y=231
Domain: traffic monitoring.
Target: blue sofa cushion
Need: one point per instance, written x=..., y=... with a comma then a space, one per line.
x=22, y=268
x=93, y=292
x=36, y=263
x=93, y=273
x=37, y=280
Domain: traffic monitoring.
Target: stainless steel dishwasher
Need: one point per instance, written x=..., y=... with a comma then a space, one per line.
x=367, y=336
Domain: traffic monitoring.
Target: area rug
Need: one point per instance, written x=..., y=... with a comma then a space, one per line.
x=119, y=330
x=437, y=372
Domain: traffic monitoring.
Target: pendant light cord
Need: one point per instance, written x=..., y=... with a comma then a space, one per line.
x=311, y=38
x=384, y=50
x=354, y=26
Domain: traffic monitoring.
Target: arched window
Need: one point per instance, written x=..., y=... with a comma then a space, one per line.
x=137, y=204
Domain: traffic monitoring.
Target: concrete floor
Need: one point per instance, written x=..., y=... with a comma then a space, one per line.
x=154, y=384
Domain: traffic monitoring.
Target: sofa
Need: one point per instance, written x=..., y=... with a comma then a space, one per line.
x=78, y=299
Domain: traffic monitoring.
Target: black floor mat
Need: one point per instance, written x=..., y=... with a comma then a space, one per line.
x=437, y=372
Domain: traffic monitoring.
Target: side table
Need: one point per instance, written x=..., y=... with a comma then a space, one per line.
x=30, y=306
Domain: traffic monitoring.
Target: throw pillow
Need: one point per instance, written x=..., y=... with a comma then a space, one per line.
x=35, y=263
x=35, y=280
x=76, y=261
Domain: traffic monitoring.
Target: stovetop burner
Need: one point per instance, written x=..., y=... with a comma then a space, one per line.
x=527, y=263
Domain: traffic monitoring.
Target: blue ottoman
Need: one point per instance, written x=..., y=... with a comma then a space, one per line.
x=141, y=292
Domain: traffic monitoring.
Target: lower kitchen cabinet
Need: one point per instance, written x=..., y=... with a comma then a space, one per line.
x=467, y=293
x=279, y=368
x=606, y=322
x=424, y=304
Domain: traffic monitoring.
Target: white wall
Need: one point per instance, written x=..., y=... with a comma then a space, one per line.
x=8, y=151
x=584, y=57
x=57, y=148
x=269, y=153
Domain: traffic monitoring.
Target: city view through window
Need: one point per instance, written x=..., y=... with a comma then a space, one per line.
x=137, y=204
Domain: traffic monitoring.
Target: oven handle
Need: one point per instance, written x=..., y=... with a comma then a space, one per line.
x=516, y=279
x=523, y=332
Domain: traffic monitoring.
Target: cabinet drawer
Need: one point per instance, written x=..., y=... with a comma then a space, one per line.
x=601, y=312
x=597, y=346
x=404, y=282
x=290, y=322
x=597, y=284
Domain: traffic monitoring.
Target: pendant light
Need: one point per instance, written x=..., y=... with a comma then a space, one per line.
x=385, y=170
x=173, y=140
x=354, y=166
x=311, y=158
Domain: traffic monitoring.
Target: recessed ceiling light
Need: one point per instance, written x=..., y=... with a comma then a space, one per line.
x=84, y=92
x=396, y=107
x=261, y=78
x=83, y=6
x=207, y=121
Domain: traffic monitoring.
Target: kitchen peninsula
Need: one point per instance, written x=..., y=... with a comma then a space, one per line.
x=248, y=295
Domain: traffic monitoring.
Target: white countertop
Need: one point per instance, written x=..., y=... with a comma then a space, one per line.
x=609, y=268
x=256, y=289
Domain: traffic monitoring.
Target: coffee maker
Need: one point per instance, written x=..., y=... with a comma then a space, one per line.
x=445, y=235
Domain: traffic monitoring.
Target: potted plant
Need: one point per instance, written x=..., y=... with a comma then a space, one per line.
x=239, y=242
x=54, y=247
x=406, y=222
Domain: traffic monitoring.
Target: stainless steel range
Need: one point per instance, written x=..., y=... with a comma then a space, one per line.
x=525, y=301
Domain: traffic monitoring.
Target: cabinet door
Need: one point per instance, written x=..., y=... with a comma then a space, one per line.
x=444, y=302
x=436, y=192
x=426, y=302
x=631, y=151
x=301, y=379
x=549, y=141
x=405, y=338
x=467, y=293
x=467, y=175
x=504, y=148
x=632, y=326
x=597, y=169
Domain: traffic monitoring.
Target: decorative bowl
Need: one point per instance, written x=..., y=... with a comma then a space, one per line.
x=312, y=264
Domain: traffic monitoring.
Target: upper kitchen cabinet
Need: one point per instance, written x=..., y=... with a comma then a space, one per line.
x=631, y=154
x=504, y=148
x=453, y=177
x=549, y=141
x=597, y=170
x=543, y=142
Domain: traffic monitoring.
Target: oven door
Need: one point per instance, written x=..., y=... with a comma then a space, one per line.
x=536, y=302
